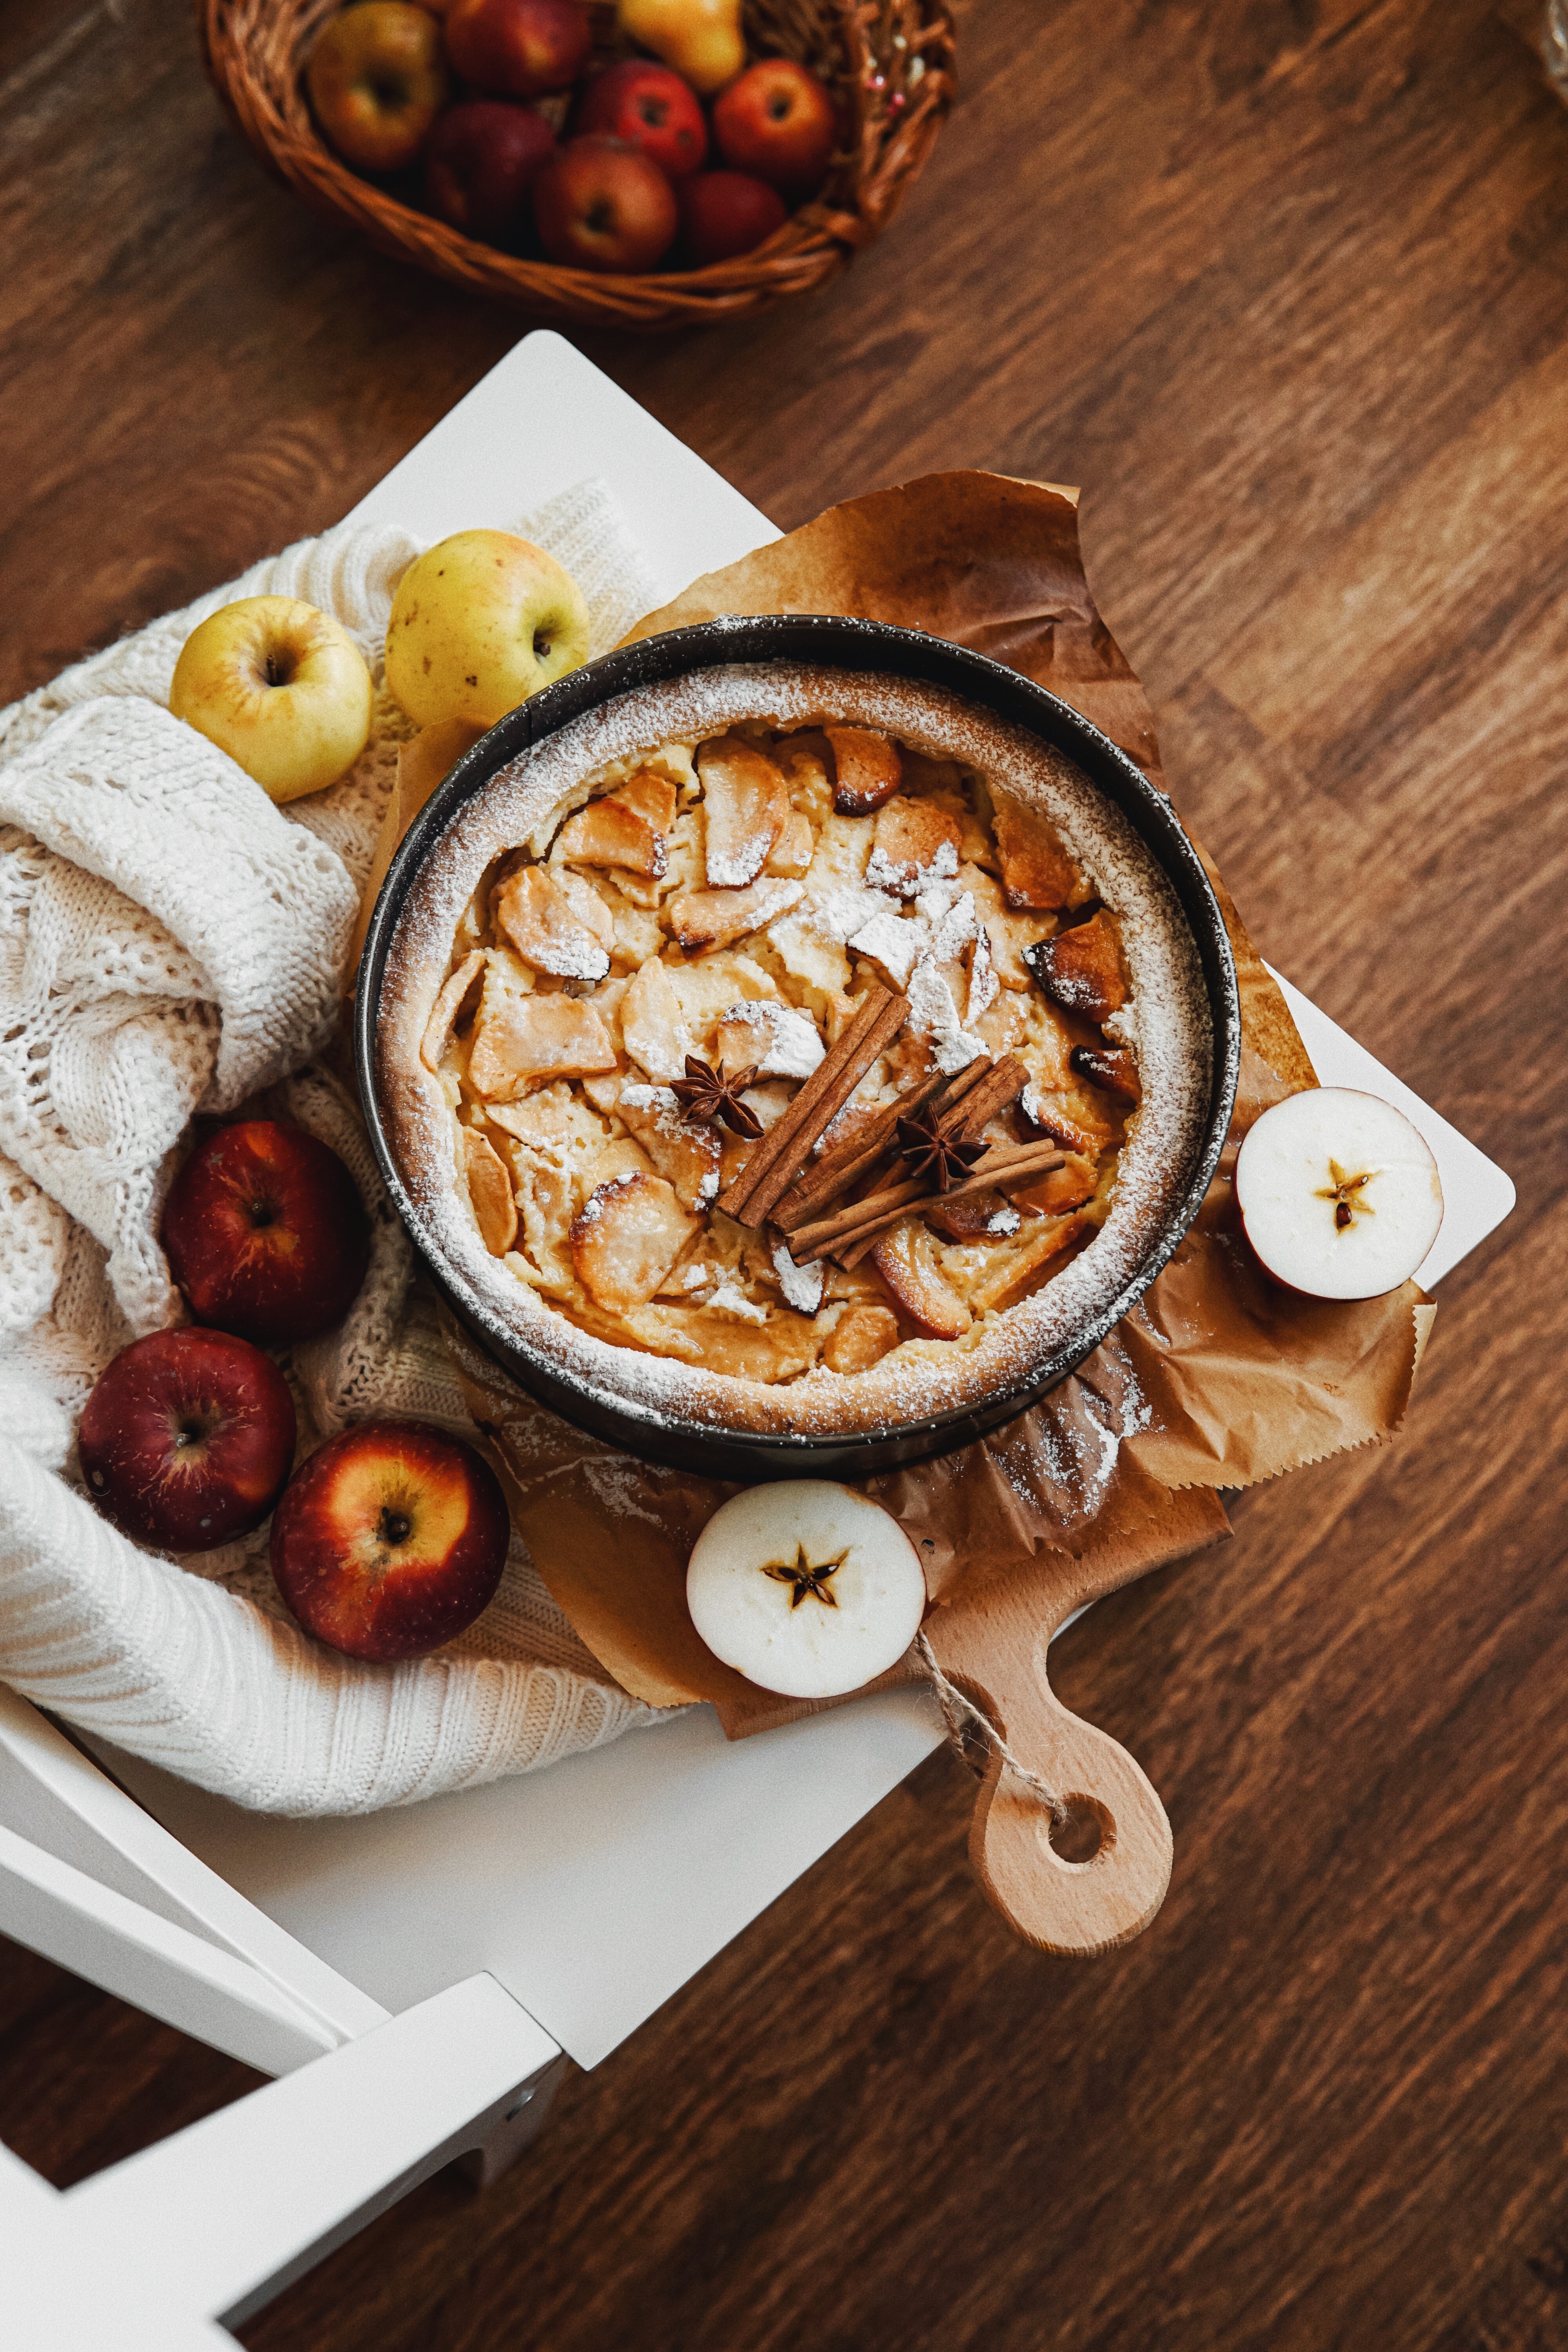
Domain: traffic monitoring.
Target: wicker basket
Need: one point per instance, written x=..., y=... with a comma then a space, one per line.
x=891, y=61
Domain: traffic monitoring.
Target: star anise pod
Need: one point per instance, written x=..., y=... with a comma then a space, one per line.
x=933, y=1151
x=713, y=1098
x=810, y=1582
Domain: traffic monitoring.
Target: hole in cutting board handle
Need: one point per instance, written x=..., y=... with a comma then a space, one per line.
x=1087, y=1832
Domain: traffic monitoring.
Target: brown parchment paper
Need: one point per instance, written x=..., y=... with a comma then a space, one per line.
x=1216, y=1380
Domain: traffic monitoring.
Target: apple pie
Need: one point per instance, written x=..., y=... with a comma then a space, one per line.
x=784, y=1049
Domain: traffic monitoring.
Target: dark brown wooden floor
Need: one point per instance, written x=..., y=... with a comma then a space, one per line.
x=1285, y=283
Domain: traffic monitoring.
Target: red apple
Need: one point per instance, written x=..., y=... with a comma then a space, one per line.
x=480, y=164
x=601, y=205
x=187, y=1439
x=651, y=107
x=265, y=1231
x=521, y=47
x=391, y=1539
x=378, y=83
x=778, y=122
x=724, y=213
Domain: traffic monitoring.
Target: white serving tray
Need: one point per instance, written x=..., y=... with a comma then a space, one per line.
x=594, y=1890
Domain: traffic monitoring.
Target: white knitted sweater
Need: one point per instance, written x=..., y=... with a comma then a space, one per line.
x=171, y=942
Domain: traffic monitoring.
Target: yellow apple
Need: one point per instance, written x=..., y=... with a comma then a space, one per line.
x=479, y=622
x=700, y=39
x=280, y=687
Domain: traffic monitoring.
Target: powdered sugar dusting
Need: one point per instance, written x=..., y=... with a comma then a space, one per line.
x=801, y=1284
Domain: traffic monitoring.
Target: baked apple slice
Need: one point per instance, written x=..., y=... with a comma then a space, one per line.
x=745, y=805
x=540, y=924
x=906, y=1262
x=861, y=1337
x=1053, y=1121
x=518, y=1038
x=627, y=1236
x=1028, y=1263
x=1060, y=1189
x=791, y=854
x=653, y=1027
x=915, y=845
x=459, y=994
x=1037, y=870
x=490, y=1191
x=867, y=770
x=1110, y=1068
x=773, y=1039
x=1081, y=968
x=688, y=1157
x=625, y=828
x=716, y=919
x=980, y=1217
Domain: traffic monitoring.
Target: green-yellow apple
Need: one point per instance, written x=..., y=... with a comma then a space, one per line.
x=479, y=622
x=280, y=687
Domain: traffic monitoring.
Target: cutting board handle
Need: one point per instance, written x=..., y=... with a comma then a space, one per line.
x=1071, y=1908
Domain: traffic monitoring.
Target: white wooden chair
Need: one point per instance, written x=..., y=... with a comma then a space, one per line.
x=207, y=2224
x=415, y=1981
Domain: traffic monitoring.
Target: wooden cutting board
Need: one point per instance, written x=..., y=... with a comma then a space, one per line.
x=994, y=1644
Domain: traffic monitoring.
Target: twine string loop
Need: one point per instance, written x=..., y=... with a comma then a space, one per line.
x=959, y=1712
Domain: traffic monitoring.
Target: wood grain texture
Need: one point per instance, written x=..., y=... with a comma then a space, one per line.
x=1284, y=284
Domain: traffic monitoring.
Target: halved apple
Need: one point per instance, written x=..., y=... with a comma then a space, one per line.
x=806, y=1588
x=1338, y=1194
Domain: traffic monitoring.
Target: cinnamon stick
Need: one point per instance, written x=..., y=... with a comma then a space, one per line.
x=837, y=1171
x=863, y=1220
x=782, y=1152
x=848, y=1253
x=998, y=1087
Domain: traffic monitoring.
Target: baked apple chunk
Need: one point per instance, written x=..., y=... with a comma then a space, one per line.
x=745, y=803
x=520, y=1038
x=629, y=1235
x=626, y=828
x=545, y=932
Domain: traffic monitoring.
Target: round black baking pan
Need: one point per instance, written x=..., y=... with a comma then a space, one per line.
x=852, y=645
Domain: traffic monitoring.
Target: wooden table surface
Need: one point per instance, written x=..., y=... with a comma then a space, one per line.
x=1284, y=283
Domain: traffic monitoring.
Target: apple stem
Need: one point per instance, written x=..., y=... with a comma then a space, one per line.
x=394, y=1526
